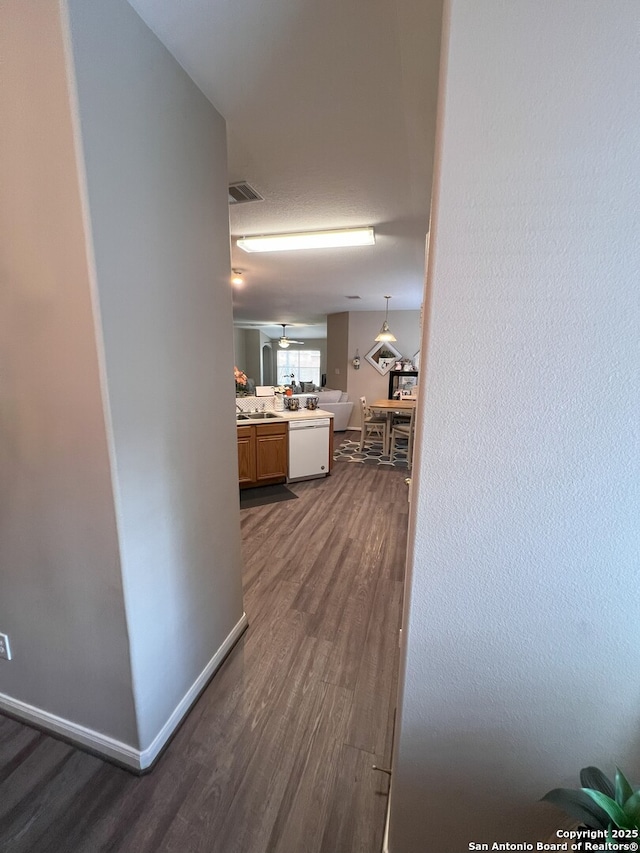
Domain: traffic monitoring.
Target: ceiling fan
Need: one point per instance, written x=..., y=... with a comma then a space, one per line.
x=284, y=341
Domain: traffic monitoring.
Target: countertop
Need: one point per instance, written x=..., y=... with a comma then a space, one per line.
x=300, y=415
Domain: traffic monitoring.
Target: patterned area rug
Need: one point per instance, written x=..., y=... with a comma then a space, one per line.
x=372, y=454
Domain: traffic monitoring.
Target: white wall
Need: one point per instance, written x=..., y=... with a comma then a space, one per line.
x=522, y=620
x=60, y=588
x=239, y=347
x=363, y=328
x=338, y=350
x=254, y=340
x=248, y=348
x=319, y=344
x=157, y=187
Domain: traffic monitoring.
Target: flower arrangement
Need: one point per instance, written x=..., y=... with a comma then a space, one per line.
x=241, y=382
x=279, y=391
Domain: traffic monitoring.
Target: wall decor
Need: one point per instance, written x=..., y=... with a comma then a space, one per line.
x=401, y=383
x=383, y=355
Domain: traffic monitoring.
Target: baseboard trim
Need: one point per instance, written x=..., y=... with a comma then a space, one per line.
x=149, y=755
x=95, y=742
x=108, y=747
x=385, y=840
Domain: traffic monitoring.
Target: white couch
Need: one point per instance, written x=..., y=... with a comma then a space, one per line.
x=335, y=402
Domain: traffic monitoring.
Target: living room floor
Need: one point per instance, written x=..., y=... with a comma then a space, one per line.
x=277, y=754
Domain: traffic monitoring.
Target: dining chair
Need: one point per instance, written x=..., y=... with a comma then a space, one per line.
x=372, y=426
x=404, y=431
x=403, y=416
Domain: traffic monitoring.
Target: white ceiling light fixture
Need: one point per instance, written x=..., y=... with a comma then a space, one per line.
x=385, y=333
x=284, y=342
x=337, y=238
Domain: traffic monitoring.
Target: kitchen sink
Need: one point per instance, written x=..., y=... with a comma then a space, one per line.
x=256, y=416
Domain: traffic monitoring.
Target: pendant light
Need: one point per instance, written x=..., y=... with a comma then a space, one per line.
x=385, y=333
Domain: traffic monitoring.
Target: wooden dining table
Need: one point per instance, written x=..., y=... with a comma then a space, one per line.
x=390, y=408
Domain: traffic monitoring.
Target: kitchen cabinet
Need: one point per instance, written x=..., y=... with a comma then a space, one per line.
x=262, y=454
x=246, y=455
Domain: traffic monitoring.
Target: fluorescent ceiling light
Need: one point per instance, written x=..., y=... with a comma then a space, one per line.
x=308, y=240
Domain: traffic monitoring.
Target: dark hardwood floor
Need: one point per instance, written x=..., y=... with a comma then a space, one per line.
x=276, y=755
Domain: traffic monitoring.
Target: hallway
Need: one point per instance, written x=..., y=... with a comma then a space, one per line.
x=276, y=755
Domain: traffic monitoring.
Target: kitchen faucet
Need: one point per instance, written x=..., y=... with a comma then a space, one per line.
x=239, y=408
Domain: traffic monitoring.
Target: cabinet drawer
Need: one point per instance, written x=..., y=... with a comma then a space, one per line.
x=271, y=429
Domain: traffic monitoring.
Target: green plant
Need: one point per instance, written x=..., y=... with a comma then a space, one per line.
x=600, y=803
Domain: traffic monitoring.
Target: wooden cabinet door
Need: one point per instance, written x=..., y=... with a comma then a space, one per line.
x=246, y=455
x=271, y=452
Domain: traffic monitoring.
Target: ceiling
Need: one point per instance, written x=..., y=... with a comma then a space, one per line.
x=330, y=110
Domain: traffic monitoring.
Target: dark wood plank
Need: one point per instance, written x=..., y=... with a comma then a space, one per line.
x=355, y=822
x=276, y=755
x=372, y=714
x=304, y=807
x=17, y=742
x=40, y=793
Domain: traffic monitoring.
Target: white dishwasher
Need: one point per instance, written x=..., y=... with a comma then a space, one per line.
x=308, y=448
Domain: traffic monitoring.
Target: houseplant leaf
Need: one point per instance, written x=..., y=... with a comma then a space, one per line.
x=593, y=777
x=615, y=812
x=579, y=805
x=632, y=810
x=623, y=788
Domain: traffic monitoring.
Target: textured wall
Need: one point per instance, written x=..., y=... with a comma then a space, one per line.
x=522, y=619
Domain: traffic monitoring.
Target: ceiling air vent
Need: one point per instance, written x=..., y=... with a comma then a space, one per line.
x=242, y=192
x=353, y=297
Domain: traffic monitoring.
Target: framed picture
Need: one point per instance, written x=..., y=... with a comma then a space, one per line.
x=383, y=356
x=402, y=383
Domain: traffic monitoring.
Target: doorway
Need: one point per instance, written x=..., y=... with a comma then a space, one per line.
x=267, y=365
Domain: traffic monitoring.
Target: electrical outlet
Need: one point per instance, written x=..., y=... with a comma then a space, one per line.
x=5, y=648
